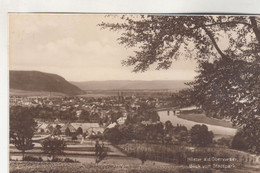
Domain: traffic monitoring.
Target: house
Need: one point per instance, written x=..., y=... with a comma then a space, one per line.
x=89, y=127
x=51, y=126
x=42, y=127
x=68, y=125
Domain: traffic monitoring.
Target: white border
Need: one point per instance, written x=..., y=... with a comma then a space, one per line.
x=136, y=6
x=97, y=6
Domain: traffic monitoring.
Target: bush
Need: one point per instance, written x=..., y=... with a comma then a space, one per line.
x=98, y=136
x=180, y=128
x=224, y=141
x=56, y=159
x=181, y=155
x=142, y=157
x=70, y=160
x=31, y=158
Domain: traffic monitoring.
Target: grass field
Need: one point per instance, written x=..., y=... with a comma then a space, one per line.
x=59, y=167
x=201, y=118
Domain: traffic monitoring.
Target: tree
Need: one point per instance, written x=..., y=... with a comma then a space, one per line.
x=146, y=114
x=114, y=116
x=53, y=147
x=56, y=130
x=226, y=48
x=67, y=132
x=168, y=127
x=180, y=128
x=100, y=151
x=155, y=131
x=22, y=128
x=139, y=132
x=79, y=131
x=113, y=135
x=167, y=139
x=239, y=141
x=69, y=115
x=183, y=98
x=161, y=39
x=74, y=137
x=200, y=136
x=126, y=131
x=84, y=116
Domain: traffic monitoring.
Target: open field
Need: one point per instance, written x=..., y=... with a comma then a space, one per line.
x=86, y=149
x=116, y=161
x=216, y=129
x=180, y=154
x=59, y=167
x=201, y=118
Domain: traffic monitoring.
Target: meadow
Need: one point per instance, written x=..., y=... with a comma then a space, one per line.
x=58, y=167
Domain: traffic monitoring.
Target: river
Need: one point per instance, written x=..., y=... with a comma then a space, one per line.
x=217, y=130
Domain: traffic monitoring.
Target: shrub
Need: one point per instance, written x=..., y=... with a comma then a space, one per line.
x=142, y=157
x=97, y=136
x=70, y=160
x=31, y=158
x=55, y=160
x=224, y=141
x=180, y=128
x=179, y=154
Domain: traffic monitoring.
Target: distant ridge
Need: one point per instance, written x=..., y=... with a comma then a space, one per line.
x=133, y=85
x=39, y=81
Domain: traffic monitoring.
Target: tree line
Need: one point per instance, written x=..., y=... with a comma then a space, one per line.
x=226, y=48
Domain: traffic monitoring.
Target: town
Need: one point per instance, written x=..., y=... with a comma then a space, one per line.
x=88, y=113
x=124, y=121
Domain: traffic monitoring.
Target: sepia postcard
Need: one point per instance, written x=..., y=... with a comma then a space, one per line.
x=93, y=92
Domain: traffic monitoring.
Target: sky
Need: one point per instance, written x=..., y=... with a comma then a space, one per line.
x=74, y=47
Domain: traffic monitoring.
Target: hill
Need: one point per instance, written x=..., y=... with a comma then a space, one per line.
x=175, y=85
x=39, y=81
